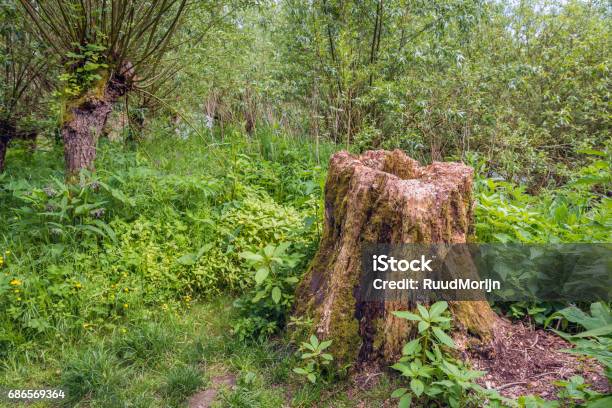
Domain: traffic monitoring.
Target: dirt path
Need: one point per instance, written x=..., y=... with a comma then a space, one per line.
x=205, y=398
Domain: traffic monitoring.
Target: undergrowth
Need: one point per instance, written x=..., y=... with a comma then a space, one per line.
x=103, y=282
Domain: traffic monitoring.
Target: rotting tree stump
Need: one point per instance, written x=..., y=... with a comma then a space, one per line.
x=384, y=197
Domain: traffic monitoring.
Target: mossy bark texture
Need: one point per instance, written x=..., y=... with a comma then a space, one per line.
x=383, y=197
x=85, y=119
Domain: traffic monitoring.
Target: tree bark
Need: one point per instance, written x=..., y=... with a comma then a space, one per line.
x=86, y=119
x=383, y=197
x=7, y=132
x=3, y=146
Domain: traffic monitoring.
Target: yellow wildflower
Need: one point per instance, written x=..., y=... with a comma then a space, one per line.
x=15, y=282
x=77, y=285
x=125, y=305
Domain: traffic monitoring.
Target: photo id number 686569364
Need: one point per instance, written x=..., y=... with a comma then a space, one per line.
x=13, y=394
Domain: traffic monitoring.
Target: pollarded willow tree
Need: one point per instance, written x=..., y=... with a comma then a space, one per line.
x=108, y=48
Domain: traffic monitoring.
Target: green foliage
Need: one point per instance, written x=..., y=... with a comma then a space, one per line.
x=265, y=307
x=596, y=340
x=575, y=390
x=116, y=264
x=143, y=343
x=314, y=357
x=93, y=372
x=433, y=373
x=161, y=239
x=83, y=69
x=578, y=212
x=573, y=393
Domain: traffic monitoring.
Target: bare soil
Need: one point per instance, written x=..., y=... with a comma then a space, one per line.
x=520, y=361
x=205, y=398
x=523, y=361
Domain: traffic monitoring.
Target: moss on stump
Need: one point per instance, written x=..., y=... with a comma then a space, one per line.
x=383, y=197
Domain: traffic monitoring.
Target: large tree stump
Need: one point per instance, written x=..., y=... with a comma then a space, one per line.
x=386, y=198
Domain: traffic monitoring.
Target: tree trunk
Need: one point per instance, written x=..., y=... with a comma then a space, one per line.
x=7, y=132
x=3, y=146
x=383, y=197
x=86, y=119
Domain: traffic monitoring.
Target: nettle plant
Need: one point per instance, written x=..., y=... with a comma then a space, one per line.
x=434, y=374
x=265, y=307
x=315, y=358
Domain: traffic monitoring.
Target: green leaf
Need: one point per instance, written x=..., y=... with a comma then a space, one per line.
x=399, y=392
x=250, y=256
x=269, y=250
x=604, y=402
x=405, y=401
x=312, y=378
x=417, y=386
x=261, y=275
x=412, y=347
x=204, y=250
x=437, y=309
x=433, y=391
x=592, y=152
x=300, y=370
x=407, y=315
x=600, y=311
x=440, y=319
x=451, y=368
x=423, y=325
x=600, y=316
x=423, y=311
x=109, y=231
x=93, y=229
x=600, y=331
x=443, y=337
x=281, y=248
x=314, y=341
x=187, y=259
x=276, y=294
x=84, y=208
x=325, y=344
x=400, y=367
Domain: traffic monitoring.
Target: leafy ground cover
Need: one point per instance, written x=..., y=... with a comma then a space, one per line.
x=147, y=280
